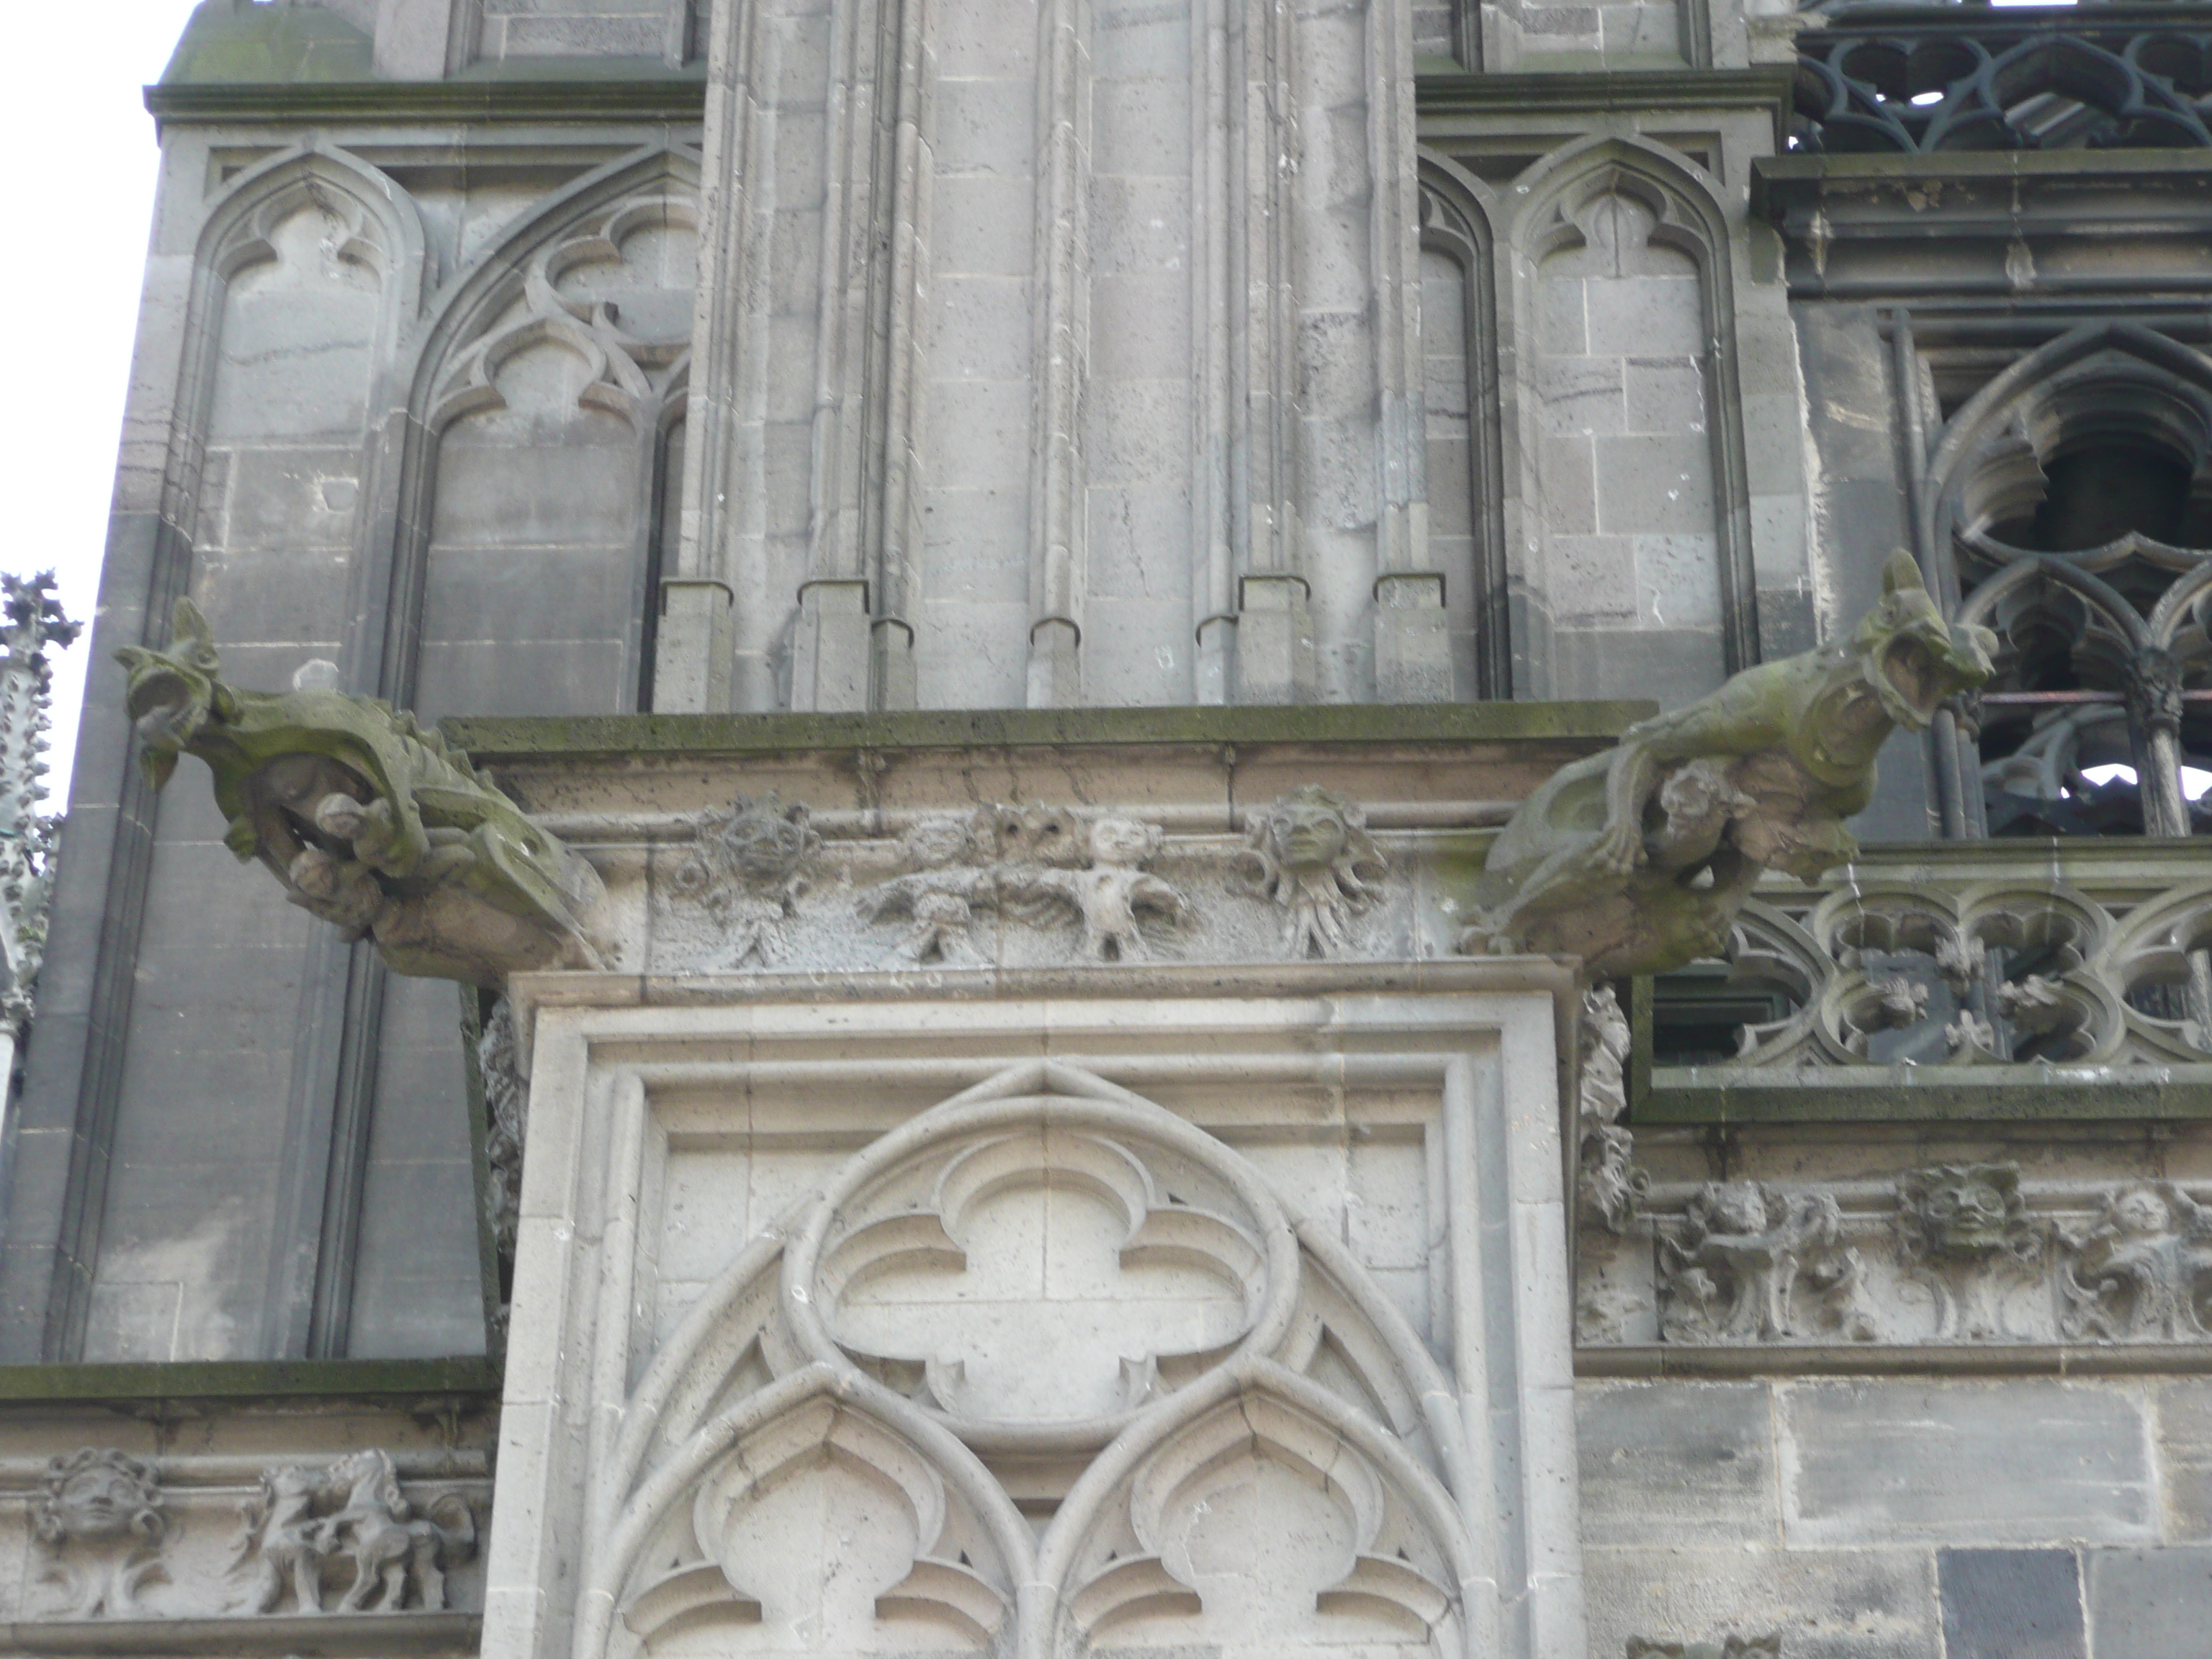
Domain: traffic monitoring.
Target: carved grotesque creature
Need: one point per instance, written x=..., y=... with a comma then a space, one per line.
x=940, y=896
x=1753, y=1264
x=749, y=868
x=1110, y=895
x=98, y=1516
x=1637, y=859
x=2142, y=1270
x=347, y=1527
x=1310, y=853
x=370, y=821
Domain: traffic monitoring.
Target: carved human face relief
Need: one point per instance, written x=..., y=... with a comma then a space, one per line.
x=1306, y=834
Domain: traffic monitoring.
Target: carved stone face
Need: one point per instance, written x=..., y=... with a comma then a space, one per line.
x=98, y=1498
x=1307, y=830
x=936, y=842
x=1968, y=1211
x=1121, y=842
x=2141, y=1213
x=1737, y=1207
x=766, y=843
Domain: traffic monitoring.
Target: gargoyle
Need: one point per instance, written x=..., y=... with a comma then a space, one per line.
x=1637, y=859
x=370, y=821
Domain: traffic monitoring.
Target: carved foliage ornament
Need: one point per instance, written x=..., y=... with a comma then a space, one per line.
x=369, y=822
x=749, y=868
x=1727, y=1647
x=1638, y=859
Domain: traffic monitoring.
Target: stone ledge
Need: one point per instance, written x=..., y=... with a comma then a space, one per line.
x=336, y=1635
x=1700, y=1095
x=1628, y=1361
x=1595, y=723
x=680, y=99
x=247, y=1379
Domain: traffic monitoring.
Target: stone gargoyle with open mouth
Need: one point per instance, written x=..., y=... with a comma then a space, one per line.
x=370, y=821
x=1637, y=859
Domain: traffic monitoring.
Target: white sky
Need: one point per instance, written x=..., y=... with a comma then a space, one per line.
x=70, y=290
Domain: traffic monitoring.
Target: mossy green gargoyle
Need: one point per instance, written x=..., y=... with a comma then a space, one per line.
x=1637, y=859
x=370, y=823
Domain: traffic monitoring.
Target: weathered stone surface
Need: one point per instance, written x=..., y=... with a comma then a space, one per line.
x=2146, y=1604
x=1692, y=1461
x=1881, y=1462
x=2011, y=1604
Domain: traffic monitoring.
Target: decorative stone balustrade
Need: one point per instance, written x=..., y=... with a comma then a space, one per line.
x=1947, y=980
x=1907, y=79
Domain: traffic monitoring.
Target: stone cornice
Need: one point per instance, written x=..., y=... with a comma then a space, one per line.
x=155, y=1385
x=1438, y=98
x=678, y=99
x=497, y=738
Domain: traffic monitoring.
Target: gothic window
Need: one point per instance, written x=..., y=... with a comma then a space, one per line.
x=2076, y=496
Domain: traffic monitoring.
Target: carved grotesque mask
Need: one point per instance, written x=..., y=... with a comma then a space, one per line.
x=767, y=841
x=1306, y=830
x=1970, y=1210
x=99, y=1495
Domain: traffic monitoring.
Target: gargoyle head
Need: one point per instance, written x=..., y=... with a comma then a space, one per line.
x=174, y=695
x=1911, y=658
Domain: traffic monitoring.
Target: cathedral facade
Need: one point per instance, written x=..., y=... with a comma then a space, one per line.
x=1441, y=764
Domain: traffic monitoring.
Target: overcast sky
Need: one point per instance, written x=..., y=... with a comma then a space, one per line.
x=80, y=193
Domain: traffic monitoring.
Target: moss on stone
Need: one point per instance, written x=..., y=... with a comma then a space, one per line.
x=1594, y=723
x=238, y=42
x=253, y=1379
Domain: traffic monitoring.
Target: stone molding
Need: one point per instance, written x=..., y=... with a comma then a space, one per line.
x=1948, y=1256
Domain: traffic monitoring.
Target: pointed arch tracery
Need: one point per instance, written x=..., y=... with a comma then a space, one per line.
x=1571, y=203
x=1466, y=455
x=529, y=317
x=2094, y=580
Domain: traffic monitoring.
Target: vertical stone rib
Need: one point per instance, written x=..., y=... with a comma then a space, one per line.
x=720, y=551
x=1060, y=330
x=1214, y=584
x=830, y=649
x=898, y=536
x=1394, y=230
x=1411, y=638
x=1275, y=634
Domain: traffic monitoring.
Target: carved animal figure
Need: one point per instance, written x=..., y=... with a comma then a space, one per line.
x=1637, y=859
x=350, y=1523
x=281, y=1536
x=376, y=1528
x=370, y=821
